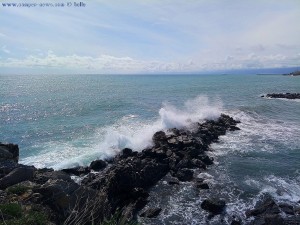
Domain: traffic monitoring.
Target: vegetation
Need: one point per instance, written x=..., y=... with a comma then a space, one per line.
x=12, y=214
x=17, y=189
x=11, y=210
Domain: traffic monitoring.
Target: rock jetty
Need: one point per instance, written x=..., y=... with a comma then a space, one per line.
x=115, y=188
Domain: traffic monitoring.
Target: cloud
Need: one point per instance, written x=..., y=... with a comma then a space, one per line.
x=5, y=50
x=110, y=64
x=152, y=35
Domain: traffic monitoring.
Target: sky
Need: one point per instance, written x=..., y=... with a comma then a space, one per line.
x=148, y=36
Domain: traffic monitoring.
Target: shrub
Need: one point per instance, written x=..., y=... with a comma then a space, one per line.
x=11, y=209
x=17, y=189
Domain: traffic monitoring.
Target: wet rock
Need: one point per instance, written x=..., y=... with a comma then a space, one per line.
x=98, y=165
x=206, y=160
x=172, y=181
x=159, y=138
x=284, y=95
x=215, y=206
x=202, y=185
x=77, y=171
x=151, y=212
x=268, y=206
x=184, y=174
x=127, y=152
x=9, y=152
x=17, y=175
x=235, y=222
x=287, y=209
x=42, y=176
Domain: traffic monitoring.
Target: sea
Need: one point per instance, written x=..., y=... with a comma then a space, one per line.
x=63, y=121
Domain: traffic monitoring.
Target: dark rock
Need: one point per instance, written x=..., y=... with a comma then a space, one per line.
x=77, y=171
x=65, y=197
x=159, y=138
x=42, y=176
x=17, y=175
x=7, y=166
x=127, y=152
x=184, y=174
x=206, y=159
x=202, y=185
x=235, y=222
x=98, y=165
x=287, y=209
x=284, y=95
x=198, y=164
x=151, y=212
x=268, y=206
x=9, y=152
x=185, y=163
x=215, y=206
x=172, y=181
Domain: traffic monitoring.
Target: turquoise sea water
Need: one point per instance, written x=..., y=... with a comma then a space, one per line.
x=64, y=121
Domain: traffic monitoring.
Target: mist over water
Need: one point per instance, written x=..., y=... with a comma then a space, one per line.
x=66, y=121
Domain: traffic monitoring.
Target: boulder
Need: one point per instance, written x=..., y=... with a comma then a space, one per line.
x=70, y=201
x=43, y=175
x=77, y=171
x=159, y=138
x=9, y=152
x=6, y=167
x=151, y=212
x=214, y=206
x=268, y=206
x=17, y=175
x=98, y=165
x=127, y=152
x=184, y=174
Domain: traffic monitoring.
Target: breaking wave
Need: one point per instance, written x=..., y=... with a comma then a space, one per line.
x=129, y=131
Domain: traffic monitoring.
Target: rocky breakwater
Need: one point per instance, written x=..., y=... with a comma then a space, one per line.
x=120, y=185
x=283, y=95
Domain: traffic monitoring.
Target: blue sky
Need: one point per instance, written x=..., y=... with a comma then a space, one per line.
x=149, y=36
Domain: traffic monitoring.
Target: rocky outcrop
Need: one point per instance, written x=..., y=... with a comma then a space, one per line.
x=121, y=184
x=214, y=206
x=268, y=212
x=9, y=152
x=283, y=95
x=151, y=212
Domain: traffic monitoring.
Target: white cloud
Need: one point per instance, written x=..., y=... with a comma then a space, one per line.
x=5, y=50
x=111, y=64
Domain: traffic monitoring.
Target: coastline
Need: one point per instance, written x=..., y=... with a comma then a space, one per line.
x=119, y=186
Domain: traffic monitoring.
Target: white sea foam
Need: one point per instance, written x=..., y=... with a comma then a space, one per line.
x=281, y=189
x=128, y=131
x=258, y=133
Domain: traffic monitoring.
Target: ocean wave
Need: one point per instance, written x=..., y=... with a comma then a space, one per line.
x=258, y=133
x=129, y=131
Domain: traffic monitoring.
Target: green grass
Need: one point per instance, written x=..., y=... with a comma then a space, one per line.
x=17, y=189
x=11, y=210
x=12, y=215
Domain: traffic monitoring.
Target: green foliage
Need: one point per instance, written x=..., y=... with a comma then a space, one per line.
x=36, y=218
x=17, y=189
x=12, y=215
x=11, y=209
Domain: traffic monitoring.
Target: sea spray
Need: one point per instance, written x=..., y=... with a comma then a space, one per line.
x=127, y=132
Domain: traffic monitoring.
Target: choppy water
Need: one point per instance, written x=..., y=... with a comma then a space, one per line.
x=63, y=121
